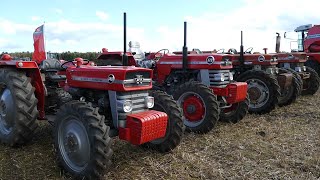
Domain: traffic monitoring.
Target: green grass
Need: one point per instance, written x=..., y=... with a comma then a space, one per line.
x=284, y=144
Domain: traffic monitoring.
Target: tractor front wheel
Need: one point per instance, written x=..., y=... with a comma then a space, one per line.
x=236, y=112
x=165, y=103
x=289, y=94
x=82, y=141
x=311, y=85
x=200, y=106
x=263, y=90
x=18, y=107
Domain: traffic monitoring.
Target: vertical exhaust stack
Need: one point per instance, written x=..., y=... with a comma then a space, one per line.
x=278, y=40
x=241, y=51
x=125, y=57
x=185, y=49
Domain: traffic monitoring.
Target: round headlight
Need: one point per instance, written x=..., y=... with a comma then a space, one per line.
x=222, y=77
x=127, y=106
x=230, y=76
x=149, y=101
x=304, y=68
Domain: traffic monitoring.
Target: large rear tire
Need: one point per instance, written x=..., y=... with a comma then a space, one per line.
x=263, y=90
x=236, y=112
x=289, y=94
x=313, y=64
x=165, y=103
x=82, y=141
x=18, y=107
x=311, y=85
x=200, y=106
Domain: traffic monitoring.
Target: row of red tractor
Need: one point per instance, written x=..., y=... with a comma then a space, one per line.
x=147, y=99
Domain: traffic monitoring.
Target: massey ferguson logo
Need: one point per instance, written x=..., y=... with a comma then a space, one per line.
x=138, y=79
x=210, y=59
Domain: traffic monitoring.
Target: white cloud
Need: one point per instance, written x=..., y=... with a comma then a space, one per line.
x=102, y=15
x=35, y=18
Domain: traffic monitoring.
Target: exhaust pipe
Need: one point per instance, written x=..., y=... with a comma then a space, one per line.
x=125, y=57
x=278, y=39
x=241, y=52
x=185, y=49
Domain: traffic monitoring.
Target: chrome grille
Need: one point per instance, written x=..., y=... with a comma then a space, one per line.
x=214, y=77
x=138, y=100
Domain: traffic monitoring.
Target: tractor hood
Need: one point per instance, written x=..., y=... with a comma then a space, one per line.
x=255, y=59
x=294, y=57
x=115, y=78
x=197, y=61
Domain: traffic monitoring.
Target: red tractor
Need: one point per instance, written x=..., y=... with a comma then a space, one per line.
x=107, y=101
x=202, y=84
x=267, y=84
x=295, y=62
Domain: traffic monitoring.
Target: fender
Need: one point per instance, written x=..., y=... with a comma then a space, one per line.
x=32, y=70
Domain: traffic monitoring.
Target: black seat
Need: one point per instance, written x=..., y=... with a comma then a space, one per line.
x=51, y=65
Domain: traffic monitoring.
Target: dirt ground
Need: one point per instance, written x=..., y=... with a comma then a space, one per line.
x=284, y=144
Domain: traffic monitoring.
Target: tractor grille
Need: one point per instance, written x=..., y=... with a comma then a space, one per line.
x=215, y=77
x=138, y=100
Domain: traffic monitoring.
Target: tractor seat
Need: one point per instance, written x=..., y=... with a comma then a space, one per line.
x=51, y=65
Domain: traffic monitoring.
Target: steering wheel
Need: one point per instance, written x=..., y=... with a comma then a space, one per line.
x=220, y=51
x=73, y=63
x=249, y=50
x=232, y=51
x=165, y=51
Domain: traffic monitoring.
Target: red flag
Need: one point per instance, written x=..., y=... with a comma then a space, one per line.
x=39, y=53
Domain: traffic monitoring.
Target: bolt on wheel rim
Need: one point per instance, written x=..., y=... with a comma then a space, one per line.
x=258, y=93
x=74, y=144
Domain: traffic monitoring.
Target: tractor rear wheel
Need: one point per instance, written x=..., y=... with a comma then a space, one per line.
x=200, y=106
x=314, y=64
x=18, y=107
x=165, y=103
x=289, y=94
x=298, y=77
x=236, y=112
x=263, y=90
x=82, y=141
x=311, y=85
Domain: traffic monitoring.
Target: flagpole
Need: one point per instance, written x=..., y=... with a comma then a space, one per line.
x=44, y=39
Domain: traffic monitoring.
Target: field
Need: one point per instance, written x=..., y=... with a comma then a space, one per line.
x=284, y=144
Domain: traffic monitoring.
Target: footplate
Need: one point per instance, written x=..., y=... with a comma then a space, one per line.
x=144, y=127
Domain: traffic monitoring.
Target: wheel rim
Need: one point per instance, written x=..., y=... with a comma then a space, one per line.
x=74, y=144
x=258, y=93
x=194, y=108
x=6, y=111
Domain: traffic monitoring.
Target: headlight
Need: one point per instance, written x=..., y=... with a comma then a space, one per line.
x=127, y=106
x=297, y=69
x=304, y=68
x=149, y=101
x=230, y=76
x=219, y=77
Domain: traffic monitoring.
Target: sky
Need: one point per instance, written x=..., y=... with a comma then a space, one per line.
x=86, y=26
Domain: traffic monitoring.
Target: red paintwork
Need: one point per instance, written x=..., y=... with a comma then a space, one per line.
x=103, y=72
x=198, y=105
x=170, y=62
x=294, y=57
x=312, y=43
x=144, y=127
x=6, y=57
x=234, y=92
x=32, y=70
x=252, y=59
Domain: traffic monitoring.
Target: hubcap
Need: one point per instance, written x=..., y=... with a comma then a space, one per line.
x=194, y=108
x=6, y=111
x=74, y=144
x=258, y=93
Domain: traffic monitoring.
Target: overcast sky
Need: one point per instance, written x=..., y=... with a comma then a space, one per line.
x=79, y=25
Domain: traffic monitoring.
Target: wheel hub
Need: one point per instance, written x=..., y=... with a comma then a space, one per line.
x=193, y=108
x=6, y=111
x=258, y=93
x=255, y=93
x=72, y=143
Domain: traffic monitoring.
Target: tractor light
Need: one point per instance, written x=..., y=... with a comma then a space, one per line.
x=304, y=68
x=230, y=76
x=219, y=77
x=20, y=64
x=127, y=106
x=92, y=64
x=297, y=69
x=149, y=101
